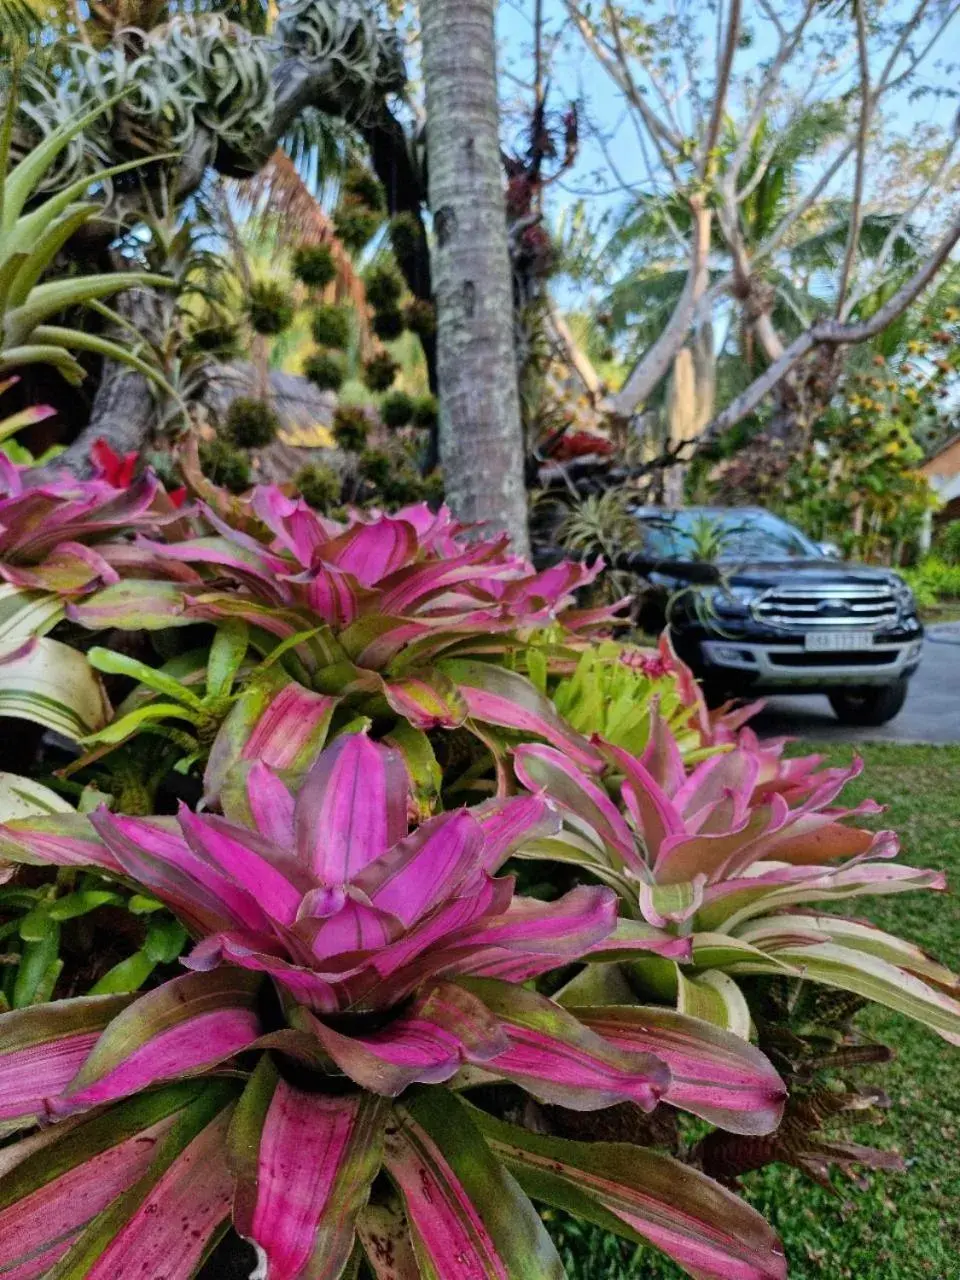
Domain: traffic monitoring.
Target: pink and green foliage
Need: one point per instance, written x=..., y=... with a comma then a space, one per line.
x=387, y=719
x=349, y=980
x=732, y=855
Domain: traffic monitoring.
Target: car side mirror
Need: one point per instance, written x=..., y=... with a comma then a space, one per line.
x=830, y=550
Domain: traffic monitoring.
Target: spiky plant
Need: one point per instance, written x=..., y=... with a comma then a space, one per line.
x=32, y=233
x=380, y=371
x=320, y=486
x=420, y=317
x=330, y=325
x=361, y=184
x=314, y=265
x=269, y=308
x=397, y=409
x=350, y=427
x=251, y=423
x=325, y=369
x=406, y=236
x=426, y=412
x=225, y=465
x=374, y=466
x=383, y=286
x=388, y=324
x=356, y=224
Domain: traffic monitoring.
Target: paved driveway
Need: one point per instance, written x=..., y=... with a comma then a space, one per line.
x=931, y=714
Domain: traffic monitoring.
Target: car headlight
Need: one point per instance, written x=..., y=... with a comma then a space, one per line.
x=733, y=602
x=904, y=597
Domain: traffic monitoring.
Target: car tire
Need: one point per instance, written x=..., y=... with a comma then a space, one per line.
x=869, y=706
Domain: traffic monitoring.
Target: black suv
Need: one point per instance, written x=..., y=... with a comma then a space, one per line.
x=754, y=605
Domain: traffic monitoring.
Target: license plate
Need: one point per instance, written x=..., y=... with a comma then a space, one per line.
x=838, y=641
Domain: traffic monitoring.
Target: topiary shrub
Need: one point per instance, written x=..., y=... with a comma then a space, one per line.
x=320, y=486
x=251, y=423
x=325, y=369
x=350, y=427
x=420, y=317
x=426, y=412
x=384, y=287
x=330, y=325
x=269, y=308
x=225, y=466
x=396, y=409
x=379, y=371
x=314, y=265
x=387, y=325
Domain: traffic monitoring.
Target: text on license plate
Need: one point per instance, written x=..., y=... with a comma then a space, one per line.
x=838, y=641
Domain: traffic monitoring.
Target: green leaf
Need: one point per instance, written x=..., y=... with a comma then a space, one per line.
x=121, y=664
x=82, y=902
x=227, y=652
x=165, y=940
x=23, y=798
x=39, y=968
x=129, y=975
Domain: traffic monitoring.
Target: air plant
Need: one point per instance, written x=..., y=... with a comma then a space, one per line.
x=251, y=423
x=319, y=486
x=314, y=265
x=325, y=369
x=346, y=973
x=388, y=324
x=330, y=326
x=397, y=409
x=380, y=371
x=269, y=308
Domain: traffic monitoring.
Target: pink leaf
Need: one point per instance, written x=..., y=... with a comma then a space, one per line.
x=351, y=809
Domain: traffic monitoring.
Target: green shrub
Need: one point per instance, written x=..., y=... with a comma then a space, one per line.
x=225, y=466
x=325, y=369
x=388, y=324
x=314, y=265
x=933, y=580
x=379, y=371
x=949, y=542
x=330, y=325
x=350, y=427
x=269, y=308
x=319, y=486
x=251, y=423
x=426, y=412
x=397, y=409
x=384, y=287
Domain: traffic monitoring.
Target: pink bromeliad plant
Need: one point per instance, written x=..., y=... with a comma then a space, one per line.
x=316, y=1075
x=734, y=855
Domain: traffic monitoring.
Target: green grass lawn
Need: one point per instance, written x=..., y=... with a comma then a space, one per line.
x=893, y=1226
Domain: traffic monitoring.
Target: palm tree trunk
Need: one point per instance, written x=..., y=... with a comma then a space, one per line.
x=481, y=438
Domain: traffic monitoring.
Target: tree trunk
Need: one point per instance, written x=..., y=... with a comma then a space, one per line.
x=481, y=438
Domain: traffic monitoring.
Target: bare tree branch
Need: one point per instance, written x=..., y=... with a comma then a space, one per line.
x=863, y=135
x=661, y=355
x=831, y=333
x=721, y=88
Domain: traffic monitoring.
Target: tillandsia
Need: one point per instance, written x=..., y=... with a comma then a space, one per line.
x=317, y=1076
x=734, y=856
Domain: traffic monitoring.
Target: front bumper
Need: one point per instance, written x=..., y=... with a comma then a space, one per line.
x=780, y=665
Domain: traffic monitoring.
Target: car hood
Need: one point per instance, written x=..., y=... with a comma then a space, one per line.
x=810, y=573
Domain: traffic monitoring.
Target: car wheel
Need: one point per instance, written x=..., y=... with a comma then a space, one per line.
x=869, y=706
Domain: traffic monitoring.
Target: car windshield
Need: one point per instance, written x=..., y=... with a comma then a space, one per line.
x=723, y=535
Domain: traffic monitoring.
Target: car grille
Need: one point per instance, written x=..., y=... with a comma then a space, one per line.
x=864, y=607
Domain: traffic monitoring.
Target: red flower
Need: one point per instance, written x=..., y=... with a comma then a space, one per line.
x=113, y=468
